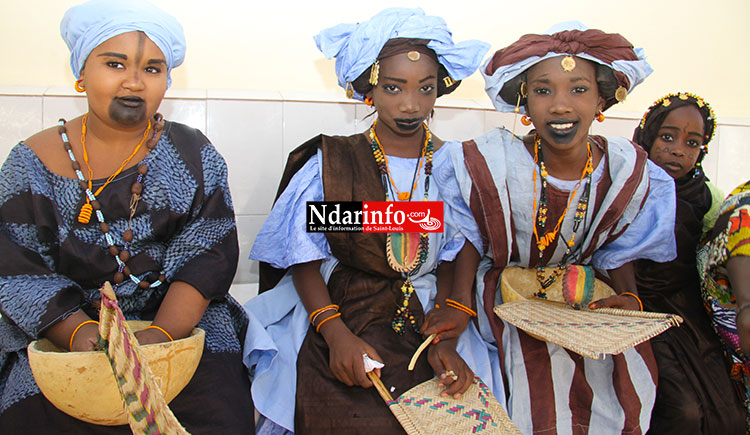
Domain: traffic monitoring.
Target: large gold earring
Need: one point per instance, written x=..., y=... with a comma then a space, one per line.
x=79, y=87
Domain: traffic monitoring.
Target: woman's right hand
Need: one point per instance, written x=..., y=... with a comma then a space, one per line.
x=346, y=350
x=86, y=338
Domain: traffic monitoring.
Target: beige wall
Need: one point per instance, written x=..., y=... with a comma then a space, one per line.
x=267, y=45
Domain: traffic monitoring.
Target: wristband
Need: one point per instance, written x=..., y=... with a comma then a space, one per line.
x=73, y=335
x=635, y=296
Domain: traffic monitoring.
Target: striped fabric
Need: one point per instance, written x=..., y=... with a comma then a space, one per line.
x=550, y=389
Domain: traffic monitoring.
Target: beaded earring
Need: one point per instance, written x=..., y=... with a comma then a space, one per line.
x=600, y=117
x=526, y=120
x=368, y=101
x=78, y=86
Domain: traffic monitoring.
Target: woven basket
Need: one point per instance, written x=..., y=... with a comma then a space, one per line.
x=591, y=333
x=422, y=411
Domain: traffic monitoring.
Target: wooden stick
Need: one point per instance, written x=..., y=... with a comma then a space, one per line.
x=419, y=351
x=379, y=386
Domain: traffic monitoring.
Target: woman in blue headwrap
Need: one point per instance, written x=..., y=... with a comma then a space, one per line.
x=120, y=195
x=344, y=297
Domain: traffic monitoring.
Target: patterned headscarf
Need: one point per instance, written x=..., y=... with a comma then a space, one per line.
x=504, y=70
x=357, y=46
x=86, y=26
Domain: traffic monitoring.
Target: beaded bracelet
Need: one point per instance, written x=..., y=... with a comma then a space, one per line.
x=320, y=310
x=73, y=335
x=635, y=296
x=160, y=329
x=317, y=328
x=461, y=307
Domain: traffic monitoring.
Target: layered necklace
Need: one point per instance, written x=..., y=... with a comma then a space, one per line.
x=92, y=205
x=540, y=216
x=405, y=253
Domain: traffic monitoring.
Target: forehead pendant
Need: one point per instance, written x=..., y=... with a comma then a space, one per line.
x=413, y=56
x=568, y=63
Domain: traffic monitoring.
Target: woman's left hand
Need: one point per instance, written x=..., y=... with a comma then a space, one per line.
x=448, y=323
x=452, y=370
x=625, y=302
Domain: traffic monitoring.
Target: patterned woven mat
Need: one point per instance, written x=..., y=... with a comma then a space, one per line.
x=421, y=410
x=591, y=333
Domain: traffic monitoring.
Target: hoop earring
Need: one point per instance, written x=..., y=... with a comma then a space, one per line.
x=526, y=120
x=368, y=101
x=78, y=86
x=600, y=117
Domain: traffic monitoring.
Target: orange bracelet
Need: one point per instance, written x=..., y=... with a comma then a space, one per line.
x=73, y=335
x=317, y=328
x=160, y=329
x=635, y=296
x=461, y=307
x=320, y=310
x=312, y=321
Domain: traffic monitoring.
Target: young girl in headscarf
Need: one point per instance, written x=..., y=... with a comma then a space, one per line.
x=343, y=302
x=557, y=197
x=724, y=268
x=120, y=195
x=694, y=394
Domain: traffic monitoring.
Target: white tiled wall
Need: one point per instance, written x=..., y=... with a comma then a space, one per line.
x=255, y=131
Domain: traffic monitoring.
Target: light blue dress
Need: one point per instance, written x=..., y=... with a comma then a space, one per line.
x=279, y=320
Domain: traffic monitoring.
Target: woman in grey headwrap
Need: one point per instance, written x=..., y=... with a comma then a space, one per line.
x=120, y=195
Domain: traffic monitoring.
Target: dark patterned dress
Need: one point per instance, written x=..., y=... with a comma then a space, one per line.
x=52, y=265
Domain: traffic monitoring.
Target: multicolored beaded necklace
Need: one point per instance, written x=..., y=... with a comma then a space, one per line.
x=407, y=266
x=540, y=216
x=121, y=256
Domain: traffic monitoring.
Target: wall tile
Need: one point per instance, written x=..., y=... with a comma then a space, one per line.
x=249, y=136
x=22, y=117
x=733, y=152
x=247, y=229
x=457, y=124
x=55, y=107
x=303, y=120
x=185, y=111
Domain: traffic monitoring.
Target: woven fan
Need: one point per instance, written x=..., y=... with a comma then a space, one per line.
x=591, y=333
x=422, y=411
x=148, y=412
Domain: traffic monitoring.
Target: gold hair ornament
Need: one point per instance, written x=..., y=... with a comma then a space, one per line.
x=666, y=101
x=448, y=81
x=620, y=94
x=349, y=90
x=568, y=63
x=374, y=73
x=413, y=56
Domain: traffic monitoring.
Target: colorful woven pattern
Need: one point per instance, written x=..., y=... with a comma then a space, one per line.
x=421, y=410
x=578, y=285
x=148, y=412
x=591, y=333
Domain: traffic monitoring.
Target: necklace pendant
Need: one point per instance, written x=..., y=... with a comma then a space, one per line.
x=85, y=215
x=403, y=196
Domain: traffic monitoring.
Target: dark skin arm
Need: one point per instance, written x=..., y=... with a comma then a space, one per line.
x=345, y=348
x=623, y=280
x=182, y=308
x=455, y=280
x=738, y=269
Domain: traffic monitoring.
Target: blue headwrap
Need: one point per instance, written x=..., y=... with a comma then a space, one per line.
x=356, y=46
x=86, y=26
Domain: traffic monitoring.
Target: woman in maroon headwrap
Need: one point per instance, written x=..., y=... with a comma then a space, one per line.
x=560, y=197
